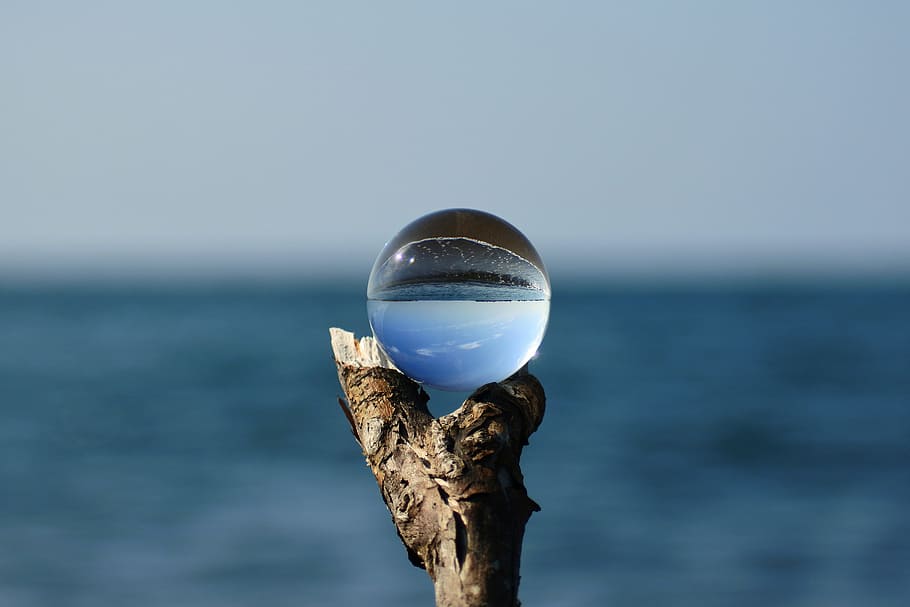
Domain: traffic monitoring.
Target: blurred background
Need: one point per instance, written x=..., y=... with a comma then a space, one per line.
x=192, y=193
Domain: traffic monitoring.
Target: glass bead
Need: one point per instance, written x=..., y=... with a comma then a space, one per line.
x=458, y=298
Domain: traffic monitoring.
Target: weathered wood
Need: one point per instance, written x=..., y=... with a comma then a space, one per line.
x=452, y=484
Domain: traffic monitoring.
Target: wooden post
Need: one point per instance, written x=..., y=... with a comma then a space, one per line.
x=452, y=484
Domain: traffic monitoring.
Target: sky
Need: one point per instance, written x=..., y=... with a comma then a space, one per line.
x=299, y=137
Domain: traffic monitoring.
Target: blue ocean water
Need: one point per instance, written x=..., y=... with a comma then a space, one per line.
x=703, y=445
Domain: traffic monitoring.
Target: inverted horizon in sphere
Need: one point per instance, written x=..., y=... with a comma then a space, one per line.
x=458, y=298
x=455, y=247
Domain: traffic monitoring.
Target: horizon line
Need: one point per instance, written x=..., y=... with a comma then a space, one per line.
x=289, y=269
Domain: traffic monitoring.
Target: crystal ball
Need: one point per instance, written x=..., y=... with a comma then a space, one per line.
x=458, y=298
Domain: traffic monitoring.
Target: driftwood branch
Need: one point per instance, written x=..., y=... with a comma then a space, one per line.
x=452, y=484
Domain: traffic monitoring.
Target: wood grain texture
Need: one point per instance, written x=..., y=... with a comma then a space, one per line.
x=452, y=484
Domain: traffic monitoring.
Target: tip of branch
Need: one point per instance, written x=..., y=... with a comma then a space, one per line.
x=359, y=353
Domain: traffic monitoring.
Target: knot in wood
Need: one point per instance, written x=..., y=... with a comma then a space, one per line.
x=371, y=434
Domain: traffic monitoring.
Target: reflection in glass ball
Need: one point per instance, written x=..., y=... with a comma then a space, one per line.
x=458, y=298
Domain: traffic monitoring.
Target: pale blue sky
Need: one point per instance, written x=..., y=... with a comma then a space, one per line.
x=655, y=136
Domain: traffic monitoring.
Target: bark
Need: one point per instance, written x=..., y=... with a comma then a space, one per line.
x=452, y=484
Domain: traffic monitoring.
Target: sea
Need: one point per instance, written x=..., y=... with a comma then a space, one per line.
x=705, y=443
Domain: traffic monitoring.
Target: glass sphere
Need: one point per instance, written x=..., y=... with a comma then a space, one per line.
x=458, y=298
